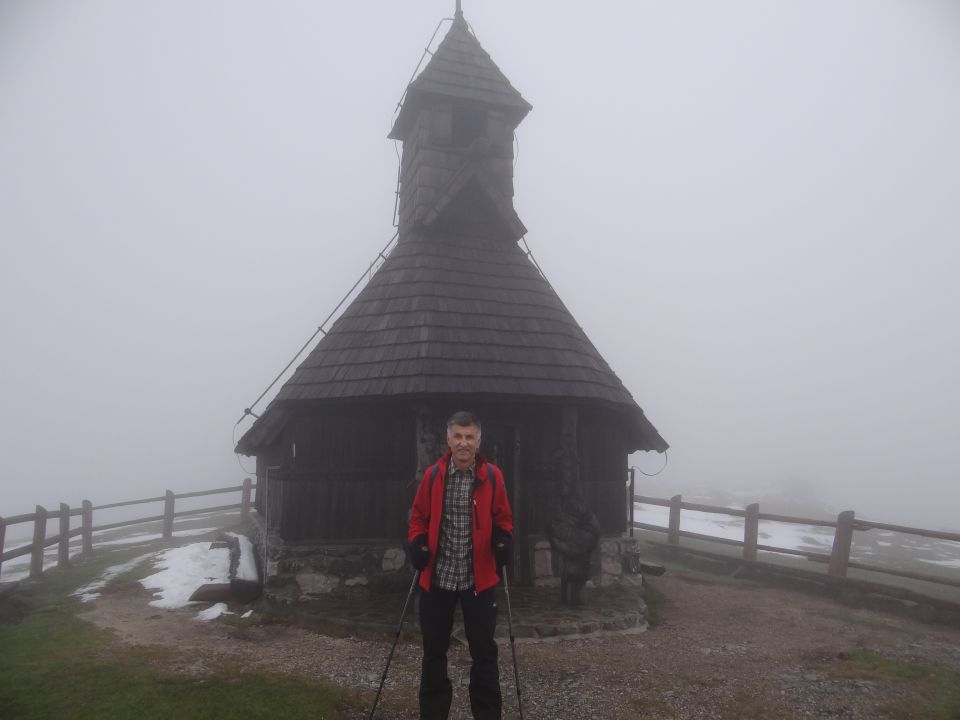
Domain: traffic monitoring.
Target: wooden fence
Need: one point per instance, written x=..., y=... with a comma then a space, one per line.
x=838, y=561
x=62, y=539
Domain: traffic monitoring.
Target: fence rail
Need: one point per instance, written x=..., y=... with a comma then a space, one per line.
x=86, y=530
x=838, y=561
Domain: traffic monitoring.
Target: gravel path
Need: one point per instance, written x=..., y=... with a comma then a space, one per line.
x=722, y=650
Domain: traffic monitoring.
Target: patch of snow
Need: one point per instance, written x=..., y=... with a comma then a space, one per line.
x=89, y=592
x=789, y=536
x=213, y=612
x=247, y=614
x=793, y=536
x=14, y=575
x=247, y=567
x=183, y=570
x=953, y=562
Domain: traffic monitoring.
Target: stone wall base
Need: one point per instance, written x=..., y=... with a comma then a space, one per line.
x=301, y=572
x=615, y=563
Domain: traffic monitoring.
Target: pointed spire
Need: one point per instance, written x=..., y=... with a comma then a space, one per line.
x=460, y=69
x=459, y=13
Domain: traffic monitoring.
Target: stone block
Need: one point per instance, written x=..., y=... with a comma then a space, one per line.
x=312, y=583
x=393, y=559
x=542, y=562
x=354, y=581
x=629, y=580
x=283, y=594
x=614, y=624
x=610, y=547
x=611, y=565
x=546, y=630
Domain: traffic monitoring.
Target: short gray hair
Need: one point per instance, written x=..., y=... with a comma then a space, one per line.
x=464, y=419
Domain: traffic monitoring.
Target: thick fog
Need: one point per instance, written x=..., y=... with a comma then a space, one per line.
x=751, y=207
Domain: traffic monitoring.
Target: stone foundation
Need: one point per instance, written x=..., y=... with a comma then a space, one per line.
x=301, y=572
x=615, y=563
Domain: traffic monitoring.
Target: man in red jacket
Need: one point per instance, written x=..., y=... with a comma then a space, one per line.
x=460, y=534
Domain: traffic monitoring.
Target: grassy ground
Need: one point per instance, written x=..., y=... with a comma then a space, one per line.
x=53, y=664
x=928, y=692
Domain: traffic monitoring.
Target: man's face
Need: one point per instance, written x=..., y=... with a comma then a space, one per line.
x=464, y=442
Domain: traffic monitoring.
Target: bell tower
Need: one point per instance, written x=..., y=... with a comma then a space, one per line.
x=456, y=124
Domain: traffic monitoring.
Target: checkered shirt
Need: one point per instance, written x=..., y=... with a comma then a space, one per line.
x=454, y=568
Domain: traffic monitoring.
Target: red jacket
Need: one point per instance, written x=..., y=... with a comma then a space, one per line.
x=491, y=508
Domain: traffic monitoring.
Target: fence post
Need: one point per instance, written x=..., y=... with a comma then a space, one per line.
x=168, y=515
x=751, y=529
x=87, y=527
x=3, y=535
x=63, y=548
x=39, y=535
x=842, y=540
x=245, y=500
x=673, y=533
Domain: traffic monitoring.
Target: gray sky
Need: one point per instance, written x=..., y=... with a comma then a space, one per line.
x=751, y=207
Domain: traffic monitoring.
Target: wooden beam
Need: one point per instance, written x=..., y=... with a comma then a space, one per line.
x=245, y=500
x=63, y=547
x=842, y=539
x=39, y=535
x=673, y=533
x=87, y=526
x=751, y=529
x=168, y=504
x=521, y=550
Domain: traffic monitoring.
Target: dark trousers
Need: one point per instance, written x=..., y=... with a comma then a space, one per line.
x=436, y=623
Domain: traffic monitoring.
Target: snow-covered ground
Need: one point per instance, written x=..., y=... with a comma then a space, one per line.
x=247, y=568
x=182, y=570
x=775, y=534
x=179, y=572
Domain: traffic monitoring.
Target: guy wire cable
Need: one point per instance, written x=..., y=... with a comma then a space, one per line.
x=382, y=255
x=666, y=459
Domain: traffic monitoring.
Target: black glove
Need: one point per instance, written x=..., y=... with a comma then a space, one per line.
x=502, y=548
x=419, y=552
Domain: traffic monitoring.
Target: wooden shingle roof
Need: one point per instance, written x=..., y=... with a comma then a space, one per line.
x=464, y=317
x=460, y=69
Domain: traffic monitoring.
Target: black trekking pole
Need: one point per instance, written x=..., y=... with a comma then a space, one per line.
x=513, y=647
x=403, y=614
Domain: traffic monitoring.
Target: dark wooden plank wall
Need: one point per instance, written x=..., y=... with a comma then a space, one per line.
x=345, y=506
x=352, y=477
x=603, y=469
x=269, y=457
x=539, y=467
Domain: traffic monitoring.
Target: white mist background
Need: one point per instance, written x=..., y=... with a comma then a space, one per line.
x=751, y=208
